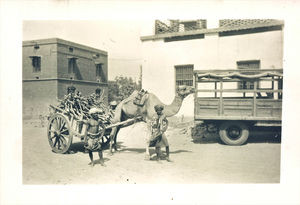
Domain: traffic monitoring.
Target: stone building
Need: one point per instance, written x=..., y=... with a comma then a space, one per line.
x=51, y=65
x=173, y=49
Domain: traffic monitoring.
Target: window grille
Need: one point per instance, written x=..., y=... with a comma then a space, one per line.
x=252, y=64
x=72, y=65
x=184, y=75
x=99, y=72
x=36, y=63
x=172, y=26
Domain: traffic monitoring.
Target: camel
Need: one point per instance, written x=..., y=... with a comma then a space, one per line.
x=126, y=109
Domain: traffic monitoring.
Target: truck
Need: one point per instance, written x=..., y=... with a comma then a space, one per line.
x=232, y=102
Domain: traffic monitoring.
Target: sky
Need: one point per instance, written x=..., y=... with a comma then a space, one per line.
x=120, y=38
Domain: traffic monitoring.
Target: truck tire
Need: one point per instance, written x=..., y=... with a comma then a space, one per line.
x=234, y=132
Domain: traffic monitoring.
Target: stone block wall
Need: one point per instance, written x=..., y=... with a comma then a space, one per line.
x=37, y=96
x=40, y=89
x=47, y=52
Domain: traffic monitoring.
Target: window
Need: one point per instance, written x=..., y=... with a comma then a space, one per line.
x=253, y=64
x=36, y=63
x=184, y=75
x=98, y=69
x=72, y=65
x=99, y=72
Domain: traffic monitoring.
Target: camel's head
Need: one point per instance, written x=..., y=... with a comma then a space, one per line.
x=184, y=90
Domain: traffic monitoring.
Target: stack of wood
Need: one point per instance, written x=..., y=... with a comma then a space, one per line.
x=79, y=106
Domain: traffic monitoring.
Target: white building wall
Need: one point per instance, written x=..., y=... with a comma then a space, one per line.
x=212, y=52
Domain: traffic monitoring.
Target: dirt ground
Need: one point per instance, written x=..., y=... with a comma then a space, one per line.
x=205, y=161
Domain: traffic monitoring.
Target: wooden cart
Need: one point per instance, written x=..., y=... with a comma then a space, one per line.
x=233, y=101
x=63, y=126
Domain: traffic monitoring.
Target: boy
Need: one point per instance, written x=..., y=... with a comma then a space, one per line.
x=159, y=126
x=92, y=139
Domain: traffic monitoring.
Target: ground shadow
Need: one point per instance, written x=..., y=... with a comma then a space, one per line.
x=256, y=136
x=179, y=151
x=207, y=141
x=264, y=138
x=98, y=160
x=143, y=150
x=162, y=157
x=208, y=138
x=76, y=147
x=138, y=150
x=79, y=147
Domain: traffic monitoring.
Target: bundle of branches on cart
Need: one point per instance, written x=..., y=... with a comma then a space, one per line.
x=78, y=106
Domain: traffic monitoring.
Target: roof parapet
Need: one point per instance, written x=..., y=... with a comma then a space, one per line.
x=162, y=30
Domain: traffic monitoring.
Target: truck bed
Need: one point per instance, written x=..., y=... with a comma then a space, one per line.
x=237, y=109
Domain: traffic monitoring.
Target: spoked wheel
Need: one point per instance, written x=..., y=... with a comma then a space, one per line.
x=59, y=133
x=234, y=132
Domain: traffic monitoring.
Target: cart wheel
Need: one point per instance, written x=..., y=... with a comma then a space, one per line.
x=234, y=132
x=59, y=133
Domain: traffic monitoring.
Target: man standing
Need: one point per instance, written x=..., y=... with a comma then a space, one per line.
x=92, y=139
x=159, y=125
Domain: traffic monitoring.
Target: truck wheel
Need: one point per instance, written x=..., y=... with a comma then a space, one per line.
x=234, y=132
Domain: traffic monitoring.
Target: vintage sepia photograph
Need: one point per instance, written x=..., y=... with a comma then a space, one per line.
x=149, y=102
x=158, y=101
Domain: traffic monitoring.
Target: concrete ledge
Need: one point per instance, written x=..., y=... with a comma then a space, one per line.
x=62, y=42
x=66, y=79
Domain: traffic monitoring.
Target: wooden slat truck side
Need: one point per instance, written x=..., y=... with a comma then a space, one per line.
x=235, y=100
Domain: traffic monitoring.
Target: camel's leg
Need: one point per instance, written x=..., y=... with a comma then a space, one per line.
x=112, y=139
x=168, y=154
x=158, y=153
x=114, y=130
x=147, y=154
x=147, y=142
x=115, y=145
